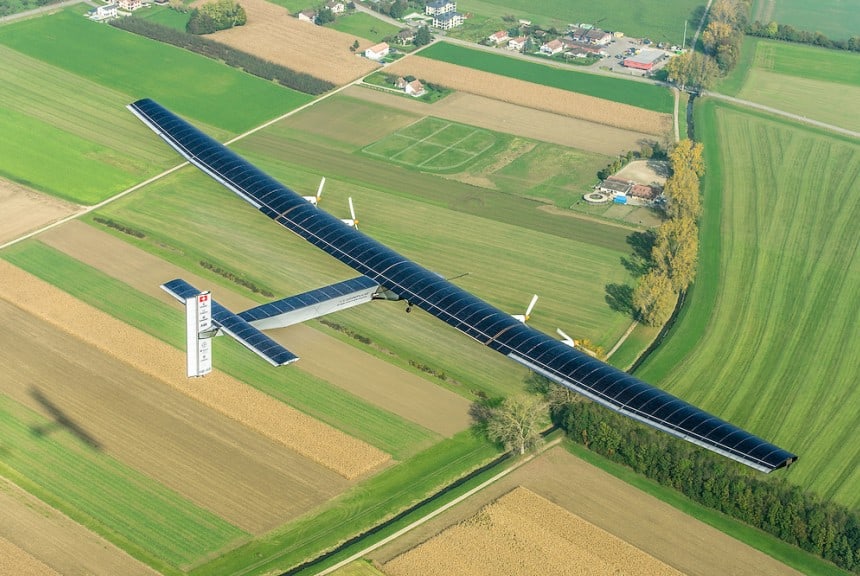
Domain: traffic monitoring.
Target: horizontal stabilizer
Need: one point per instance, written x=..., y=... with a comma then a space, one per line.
x=313, y=304
x=235, y=327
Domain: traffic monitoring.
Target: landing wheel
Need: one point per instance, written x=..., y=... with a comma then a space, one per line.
x=408, y=307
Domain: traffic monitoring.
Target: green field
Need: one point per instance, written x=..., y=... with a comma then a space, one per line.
x=836, y=19
x=316, y=397
x=165, y=16
x=645, y=96
x=434, y=145
x=363, y=26
x=660, y=21
x=187, y=83
x=138, y=514
x=767, y=340
x=813, y=82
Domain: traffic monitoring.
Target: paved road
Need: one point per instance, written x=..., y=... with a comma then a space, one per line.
x=43, y=10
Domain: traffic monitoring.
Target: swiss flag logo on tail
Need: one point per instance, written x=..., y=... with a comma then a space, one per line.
x=203, y=298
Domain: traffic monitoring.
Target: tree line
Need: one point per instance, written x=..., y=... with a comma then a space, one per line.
x=790, y=34
x=232, y=57
x=800, y=518
x=671, y=267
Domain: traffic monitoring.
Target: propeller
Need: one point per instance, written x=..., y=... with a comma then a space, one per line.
x=565, y=338
x=351, y=221
x=316, y=199
x=524, y=317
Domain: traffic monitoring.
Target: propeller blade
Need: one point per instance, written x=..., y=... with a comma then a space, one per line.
x=531, y=306
x=564, y=337
x=351, y=208
x=320, y=189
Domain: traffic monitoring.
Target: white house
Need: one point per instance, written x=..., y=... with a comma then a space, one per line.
x=415, y=89
x=308, y=16
x=447, y=20
x=498, y=37
x=336, y=7
x=105, y=12
x=517, y=43
x=377, y=51
x=598, y=37
x=130, y=5
x=436, y=7
x=552, y=47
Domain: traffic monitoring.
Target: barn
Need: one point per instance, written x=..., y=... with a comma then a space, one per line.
x=644, y=61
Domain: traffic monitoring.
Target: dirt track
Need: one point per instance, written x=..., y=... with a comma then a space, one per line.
x=273, y=34
x=39, y=531
x=523, y=533
x=665, y=533
x=374, y=380
x=24, y=210
x=14, y=560
x=514, y=119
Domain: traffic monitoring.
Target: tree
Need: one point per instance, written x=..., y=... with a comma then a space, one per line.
x=397, y=10
x=355, y=46
x=325, y=16
x=517, y=423
x=675, y=251
x=688, y=154
x=422, y=36
x=653, y=298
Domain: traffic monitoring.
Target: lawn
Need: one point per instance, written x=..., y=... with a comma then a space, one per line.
x=767, y=338
x=836, y=19
x=363, y=26
x=165, y=16
x=813, y=82
x=660, y=21
x=137, y=513
x=318, y=398
x=191, y=85
x=645, y=96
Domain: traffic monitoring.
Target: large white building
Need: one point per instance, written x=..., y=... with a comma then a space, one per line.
x=447, y=20
x=436, y=7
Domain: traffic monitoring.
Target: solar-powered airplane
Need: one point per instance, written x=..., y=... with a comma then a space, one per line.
x=386, y=275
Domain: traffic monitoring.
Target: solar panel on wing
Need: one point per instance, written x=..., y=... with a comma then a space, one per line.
x=462, y=310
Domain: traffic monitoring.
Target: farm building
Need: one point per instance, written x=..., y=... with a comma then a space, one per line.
x=447, y=20
x=437, y=7
x=614, y=186
x=377, y=51
x=598, y=37
x=405, y=36
x=498, y=37
x=130, y=5
x=307, y=16
x=644, y=61
x=517, y=43
x=105, y=12
x=415, y=89
x=552, y=47
x=645, y=192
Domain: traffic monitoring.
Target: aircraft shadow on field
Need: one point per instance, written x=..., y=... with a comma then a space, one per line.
x=61, y=420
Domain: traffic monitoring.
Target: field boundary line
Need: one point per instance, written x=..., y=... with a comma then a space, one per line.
x=450, y=146
x=413, y=145
x=441, y=509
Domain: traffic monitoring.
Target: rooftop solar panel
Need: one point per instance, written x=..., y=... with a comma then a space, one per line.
x=462, y=310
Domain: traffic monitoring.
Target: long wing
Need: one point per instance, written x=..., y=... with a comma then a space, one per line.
x=462, y=310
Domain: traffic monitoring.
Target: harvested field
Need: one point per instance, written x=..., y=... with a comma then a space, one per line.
x=13, y=560
x=493, y=114
x=643, y=521
x=23, y=210
x=535, y=96
x=319, y=442
x=273, y=34
x=215, y=462
x=42, y=532
x=523, y=533
x=372, y=379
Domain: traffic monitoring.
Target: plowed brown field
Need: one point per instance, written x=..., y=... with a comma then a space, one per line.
x=523, y=533
x=534, y=95
x=273, y=34
x=509, y=118
x=56, y=541
x=311, y=438
x=23, y=210
x=13, y=560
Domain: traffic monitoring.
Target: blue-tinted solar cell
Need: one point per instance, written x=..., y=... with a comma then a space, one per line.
x=461, y=309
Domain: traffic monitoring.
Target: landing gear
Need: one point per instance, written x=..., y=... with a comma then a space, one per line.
x=408, y=307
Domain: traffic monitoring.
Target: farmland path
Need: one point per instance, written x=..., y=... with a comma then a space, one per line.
x=778, y=112
x=387, y=19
